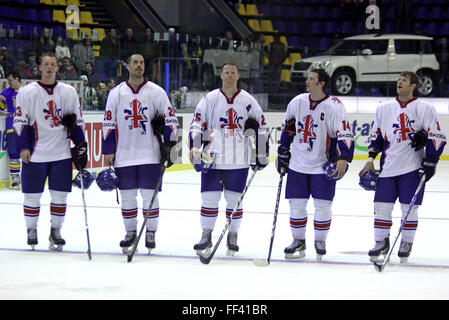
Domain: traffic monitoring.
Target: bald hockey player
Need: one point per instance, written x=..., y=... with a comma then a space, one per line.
x=225, y=120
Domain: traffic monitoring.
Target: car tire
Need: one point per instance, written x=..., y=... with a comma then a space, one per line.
x=343, y=82
x=426, y=84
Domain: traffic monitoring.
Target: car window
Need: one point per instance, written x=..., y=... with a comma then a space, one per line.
x=353, y=47
x=344, y=48
x=405, y=46
x=376, y=46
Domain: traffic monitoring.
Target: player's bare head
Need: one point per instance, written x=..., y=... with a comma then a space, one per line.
x=407, y=82
x=14, y=79
x=413, y=78
x=230, y=73
x=48, y=67
x=136, y=65
x=47, y=56
x=318, y=80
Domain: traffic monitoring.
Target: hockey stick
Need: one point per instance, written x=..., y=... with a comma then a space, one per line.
x=266, y=262
x=207, y=259
x=89, y=254
x=380, y=267
x=133, y=247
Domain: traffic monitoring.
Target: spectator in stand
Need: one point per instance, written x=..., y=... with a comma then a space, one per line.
x=23, y=70
x=110, y=46
x=83, y=52
x=150, y=52
x=277, y=53
x=90, y=101
x=88, y=70
x=129, y=44
x=102, y=95
x=67, y=71
x=110, y=84
x=31, y=60
x=61, y=49
x=44, y=43
x=6, y=62
x=35, y=73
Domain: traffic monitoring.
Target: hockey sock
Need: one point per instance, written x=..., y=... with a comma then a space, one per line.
x=14, y=166
x=322, y=218
x=298, y=218
x=153, y=217
x=58, y=208
x=209, y=209
x=232, y=199
x=382, y=220
x=129, y=209
x=31, y=209
x=409, y=230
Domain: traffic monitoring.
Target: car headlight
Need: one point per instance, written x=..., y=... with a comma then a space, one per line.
x=320, y=65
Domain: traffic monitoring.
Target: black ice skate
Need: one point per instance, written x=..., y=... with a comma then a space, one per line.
x=150, y=240
x=404, y=251
x=320, y=248
x=232, y=244
x=380, y=248
x=32, y=237
x=15, y=182
x=56, y=241
x=296, y=249
x=203, y=247
x=128, y=241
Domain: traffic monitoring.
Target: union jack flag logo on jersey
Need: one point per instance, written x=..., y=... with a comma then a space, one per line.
x=403, y=128
x=232, y=120
x=306, y=130
x=53, y=113
x=136, y=115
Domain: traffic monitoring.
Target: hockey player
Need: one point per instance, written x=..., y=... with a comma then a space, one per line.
x=137, y=113
x=407, y=133
x=47, y=114
x=218, y=127
x=8, y=108
x=316, y=128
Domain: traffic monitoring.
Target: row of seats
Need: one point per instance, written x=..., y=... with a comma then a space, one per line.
x=335, y=12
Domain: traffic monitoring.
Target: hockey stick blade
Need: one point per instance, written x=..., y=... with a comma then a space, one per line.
x=261, y=262
x=379, y=267
x=205, y=260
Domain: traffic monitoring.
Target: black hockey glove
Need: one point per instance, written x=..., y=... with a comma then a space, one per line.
x=166, y=149
x=252, y=125
x=69, y=122
x=428, y=166
x=283, y=160
x=419, y=140
x=158, y=124
x=79, y=155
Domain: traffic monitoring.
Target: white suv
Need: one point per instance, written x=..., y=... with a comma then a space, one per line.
x=373, y=59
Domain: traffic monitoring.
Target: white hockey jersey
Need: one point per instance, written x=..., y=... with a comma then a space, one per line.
x=322, y=128
x=127, y=129
x=392, y=132
x=43, y=108
x=219, y=122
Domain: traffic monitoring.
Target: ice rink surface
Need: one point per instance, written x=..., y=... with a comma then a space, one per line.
x=174, y=272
